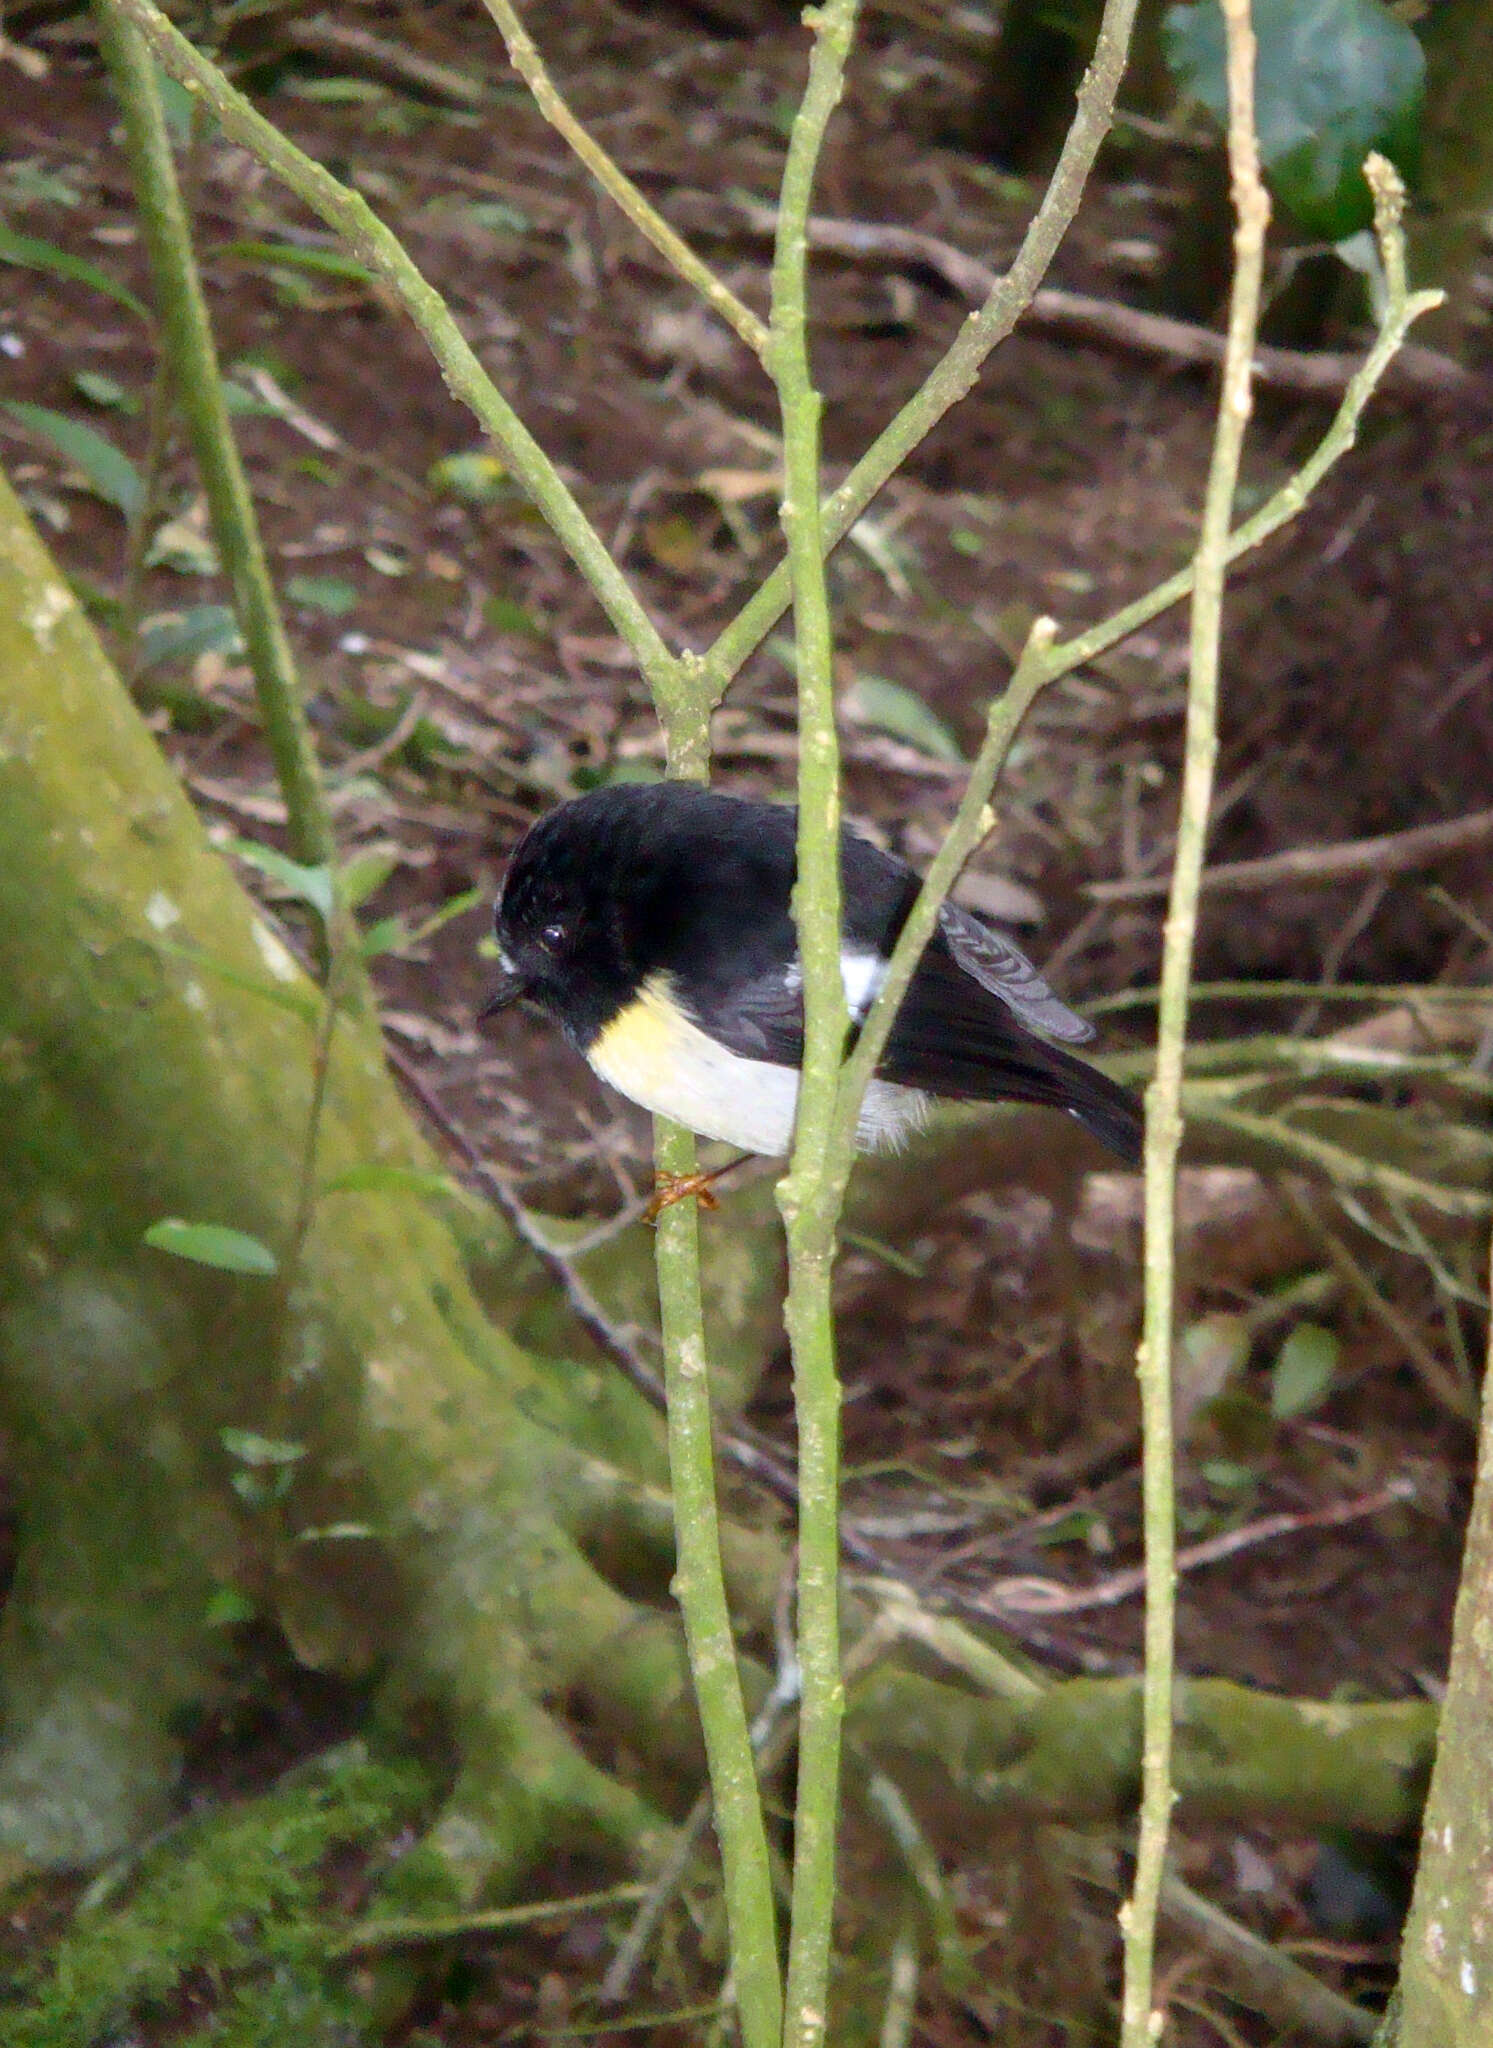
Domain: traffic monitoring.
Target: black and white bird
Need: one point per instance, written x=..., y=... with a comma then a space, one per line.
x=653, y=924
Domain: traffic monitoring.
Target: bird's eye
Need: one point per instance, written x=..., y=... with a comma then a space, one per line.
x=553, y=934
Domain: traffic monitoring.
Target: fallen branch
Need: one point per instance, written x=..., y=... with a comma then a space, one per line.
x=1047, y=1597
x=1417, y=372
x=1392, y=853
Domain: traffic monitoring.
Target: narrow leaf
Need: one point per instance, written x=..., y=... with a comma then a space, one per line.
x=29, y=253
x=250, y=1448
x=212, y=1244
x=182, y=636
x=311, y=885
x=900, y=713
x=376, y=1179
x=293, y=256
x=109, y=473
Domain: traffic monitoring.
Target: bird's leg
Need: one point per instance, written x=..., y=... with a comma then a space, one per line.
x=669, y=1188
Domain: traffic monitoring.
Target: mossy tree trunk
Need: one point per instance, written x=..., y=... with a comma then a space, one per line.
x=1446, y=1968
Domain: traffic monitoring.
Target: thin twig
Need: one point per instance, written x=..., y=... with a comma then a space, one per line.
x=1046, y=1597
x=672, y=681
x=197, y=386
x=1391, y=853
x=527, y=62
x=1138, y=2024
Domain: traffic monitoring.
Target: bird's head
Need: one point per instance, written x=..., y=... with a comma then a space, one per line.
x=558, y=943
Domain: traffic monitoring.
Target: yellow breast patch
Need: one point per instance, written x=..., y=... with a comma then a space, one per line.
x=652, y=1053
x=640, y=1050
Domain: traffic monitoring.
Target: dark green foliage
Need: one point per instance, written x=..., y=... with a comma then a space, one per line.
x=1335, y=79
x=229, y=1906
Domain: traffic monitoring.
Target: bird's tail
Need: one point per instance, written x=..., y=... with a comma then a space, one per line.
x=1112, y=1113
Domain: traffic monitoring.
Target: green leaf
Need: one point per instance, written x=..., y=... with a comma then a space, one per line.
x=178, y=106
x=182, y=636
x=312, y=885
x=394, y=935
x=110, y=475
x=101, y=390
x=227, y=1608
x=29, y=253
x=250, y=1448
x=384, y=935
x=476, y=477
x=376, y=1179
x=1304, y=1370
x=1227, y=1476
x=294, y=256
x=297, y=996
x=367, y=872
x=901, y=714
x=506, y=614
x=332, y=595
x=212, y=1244
x=454, y=906
x=1335, y=79
x=184, y=545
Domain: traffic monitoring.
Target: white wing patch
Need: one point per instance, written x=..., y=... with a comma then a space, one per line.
x=862, y=974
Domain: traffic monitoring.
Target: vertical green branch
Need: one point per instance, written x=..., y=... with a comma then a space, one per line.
x=674, y=682
x=1138, y=2024
x=187, y=337
x=811, y=1194
x=700, y=1589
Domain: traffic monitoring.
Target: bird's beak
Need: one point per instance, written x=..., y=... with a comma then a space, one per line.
x=509, y=988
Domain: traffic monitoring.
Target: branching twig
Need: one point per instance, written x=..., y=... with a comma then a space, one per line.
x=1047, y=1597
x=367, y=237
x=955, y=375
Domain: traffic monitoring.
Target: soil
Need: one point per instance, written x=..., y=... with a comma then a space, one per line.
x=461, y=680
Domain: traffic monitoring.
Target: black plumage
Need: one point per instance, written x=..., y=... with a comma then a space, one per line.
x=686, y=894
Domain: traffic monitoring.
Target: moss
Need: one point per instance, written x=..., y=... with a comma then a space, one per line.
x=231, y=1902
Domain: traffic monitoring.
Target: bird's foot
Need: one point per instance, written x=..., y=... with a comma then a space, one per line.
x=669, y=1188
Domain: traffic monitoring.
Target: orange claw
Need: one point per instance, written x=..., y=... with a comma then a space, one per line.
x=669, y=1188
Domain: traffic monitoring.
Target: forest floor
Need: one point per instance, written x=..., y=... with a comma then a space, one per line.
x=461, y=680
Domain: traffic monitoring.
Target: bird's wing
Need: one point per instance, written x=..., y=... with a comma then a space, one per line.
x=955, y=1038
x=1004, y=970
x=761, y=1018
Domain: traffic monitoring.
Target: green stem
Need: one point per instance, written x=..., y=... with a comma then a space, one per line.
x=700, y=1589
x=972, y=821
x=142, y=524
x=188, y=341
x=1139, y=2026
x=812, y=1193
x=674, y=683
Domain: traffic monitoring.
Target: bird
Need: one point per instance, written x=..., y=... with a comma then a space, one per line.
x=653, y=923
